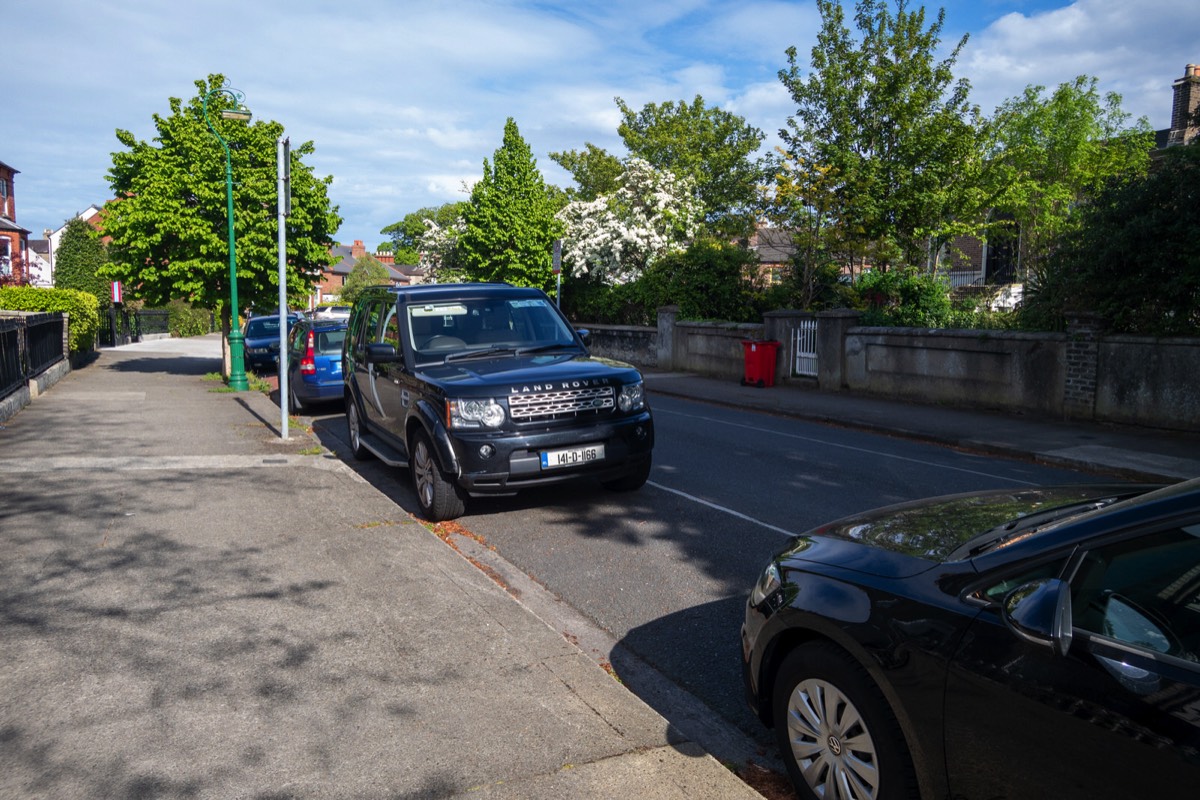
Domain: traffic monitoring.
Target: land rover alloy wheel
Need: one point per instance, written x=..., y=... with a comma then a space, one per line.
x=439, y=499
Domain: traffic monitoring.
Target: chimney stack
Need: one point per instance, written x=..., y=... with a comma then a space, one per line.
x=1183, y=110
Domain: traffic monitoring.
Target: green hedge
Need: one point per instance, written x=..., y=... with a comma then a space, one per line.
x=187, y=320
x=82, y=308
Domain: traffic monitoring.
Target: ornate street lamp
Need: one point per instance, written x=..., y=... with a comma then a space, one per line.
x=237, y=361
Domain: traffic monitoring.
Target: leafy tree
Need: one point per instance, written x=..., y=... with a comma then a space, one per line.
x=406, y=234
x=168, y=223
x=615, y=237
x=80, y=256
x=1134, y=257
x=509, y=226
x=889, y=135
x=712, y=279
x=367, y=271
x=711, y=147
x=1054, y=152
x=595, y=170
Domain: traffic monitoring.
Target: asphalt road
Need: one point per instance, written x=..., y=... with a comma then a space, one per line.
x=664, y=571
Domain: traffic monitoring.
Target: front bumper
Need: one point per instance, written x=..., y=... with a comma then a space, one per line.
x=752, y=659
x=515, y=461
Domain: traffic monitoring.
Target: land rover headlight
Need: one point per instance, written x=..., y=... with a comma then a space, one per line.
x=475, y=413
x=632, y=397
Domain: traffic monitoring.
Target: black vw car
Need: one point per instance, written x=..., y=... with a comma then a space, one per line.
x=1033, y=644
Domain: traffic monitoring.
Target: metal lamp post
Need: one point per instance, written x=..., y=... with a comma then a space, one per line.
x=237, y=362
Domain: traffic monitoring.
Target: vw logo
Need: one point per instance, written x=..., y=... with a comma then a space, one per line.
x=835, y=745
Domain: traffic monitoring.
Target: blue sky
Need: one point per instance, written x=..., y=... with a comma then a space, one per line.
x=404, y=100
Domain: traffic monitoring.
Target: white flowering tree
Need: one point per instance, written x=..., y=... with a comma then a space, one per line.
x=438, y=246
x=616, y=236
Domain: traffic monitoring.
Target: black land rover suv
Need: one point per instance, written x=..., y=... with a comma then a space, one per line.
x=486, y=389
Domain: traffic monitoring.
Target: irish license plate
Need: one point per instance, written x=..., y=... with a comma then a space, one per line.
x=572, y=456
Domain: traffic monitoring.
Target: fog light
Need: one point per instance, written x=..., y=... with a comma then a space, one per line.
x=486, y=451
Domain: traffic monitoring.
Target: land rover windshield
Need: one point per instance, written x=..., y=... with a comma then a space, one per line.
x=455, y=329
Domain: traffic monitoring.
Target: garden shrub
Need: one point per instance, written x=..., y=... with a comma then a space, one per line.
x=83, y=310
x=903, y=298
x=184, y=319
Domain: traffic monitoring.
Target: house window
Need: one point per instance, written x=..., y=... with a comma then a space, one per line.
x=5, y=255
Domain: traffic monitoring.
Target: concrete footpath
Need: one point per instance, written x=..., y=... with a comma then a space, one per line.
x=192, y=607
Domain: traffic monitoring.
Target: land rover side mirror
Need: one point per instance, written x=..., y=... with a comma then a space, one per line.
x=382, y=353
x=585, y=335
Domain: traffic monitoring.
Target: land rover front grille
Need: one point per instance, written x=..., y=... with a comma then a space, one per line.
x=560, y=404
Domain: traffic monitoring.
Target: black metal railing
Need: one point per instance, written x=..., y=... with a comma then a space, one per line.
x=12, y=374
x=124, y=327
x=29, y=344
x=44, y=342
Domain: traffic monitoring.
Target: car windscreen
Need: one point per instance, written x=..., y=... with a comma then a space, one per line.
x=264, y=326
x=487, y=324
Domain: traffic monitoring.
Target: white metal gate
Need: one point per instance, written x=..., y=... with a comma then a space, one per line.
x=804, y=347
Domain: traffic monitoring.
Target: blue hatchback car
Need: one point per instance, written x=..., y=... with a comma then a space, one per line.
x=315, y=362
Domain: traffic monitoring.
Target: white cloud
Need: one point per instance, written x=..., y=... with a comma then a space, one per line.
x=1135, y=49
x=404, y=99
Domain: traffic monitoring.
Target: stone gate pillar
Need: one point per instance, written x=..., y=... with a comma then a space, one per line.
x=1083, y=349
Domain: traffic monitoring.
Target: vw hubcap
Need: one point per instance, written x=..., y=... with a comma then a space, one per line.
x=831, y=743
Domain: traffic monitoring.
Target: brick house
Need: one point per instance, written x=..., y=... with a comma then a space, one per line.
x=1183, y=128
x=334, y=277
x=14, y=240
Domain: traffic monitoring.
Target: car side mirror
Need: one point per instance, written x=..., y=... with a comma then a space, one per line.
x=1040, y=612
x=382, y=353
x=585, y=335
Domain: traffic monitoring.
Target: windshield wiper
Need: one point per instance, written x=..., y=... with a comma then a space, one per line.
x=541, y=348
x=1022, y=526
x=484, y=353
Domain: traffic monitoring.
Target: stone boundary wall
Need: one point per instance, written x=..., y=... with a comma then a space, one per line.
x=631, y=343
x=980, y=369
x=1145, y=381
x=1081, y=374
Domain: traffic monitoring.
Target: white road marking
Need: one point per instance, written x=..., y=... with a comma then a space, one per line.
x=722, y=509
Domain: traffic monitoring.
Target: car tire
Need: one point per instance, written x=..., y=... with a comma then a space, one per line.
x=355, y=429
x=836, y=731
x=438, y=498
x=631, y=482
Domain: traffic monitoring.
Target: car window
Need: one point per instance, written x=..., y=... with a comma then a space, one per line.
x=997, y=591
x=389, y=332
x=1143, y=592
x=329, y=342
x=296, y=339
x=368, y=325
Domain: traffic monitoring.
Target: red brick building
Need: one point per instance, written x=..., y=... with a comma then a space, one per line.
x=14, y=240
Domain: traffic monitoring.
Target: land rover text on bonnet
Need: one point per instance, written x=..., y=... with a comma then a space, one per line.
x=487, y=389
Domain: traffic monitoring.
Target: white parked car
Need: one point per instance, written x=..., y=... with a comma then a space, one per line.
x=331, y=312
